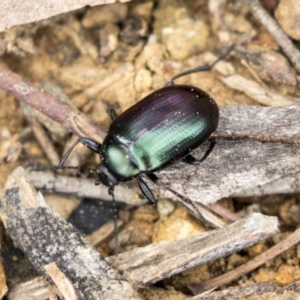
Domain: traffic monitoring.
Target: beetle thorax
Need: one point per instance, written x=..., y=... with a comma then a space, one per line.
x=118, y=160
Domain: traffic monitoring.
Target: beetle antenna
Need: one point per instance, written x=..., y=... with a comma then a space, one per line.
x=91, y=144
x=116, y=229
x=66, y=155
x=201, y=68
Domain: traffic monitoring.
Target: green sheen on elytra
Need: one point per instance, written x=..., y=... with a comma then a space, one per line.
x=162, y=128
x=154, y=148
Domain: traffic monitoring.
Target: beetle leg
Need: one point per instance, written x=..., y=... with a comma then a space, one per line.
x=209, y=150
x=91, y=144
x=153, y=177
x=191, y=160
x=112, y=113
x=146, y=190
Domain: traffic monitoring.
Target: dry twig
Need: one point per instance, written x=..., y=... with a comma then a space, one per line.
x=72, y=119
x=282, y=246
x=262, y=290
x=281, y=38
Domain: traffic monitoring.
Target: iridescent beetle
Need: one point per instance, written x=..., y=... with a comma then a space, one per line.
x=161, y=129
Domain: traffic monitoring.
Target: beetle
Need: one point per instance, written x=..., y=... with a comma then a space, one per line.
x=159, y=130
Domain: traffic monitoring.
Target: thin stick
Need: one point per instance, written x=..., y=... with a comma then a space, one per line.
x=69, y=117
x=44, y=141
x=287, y=243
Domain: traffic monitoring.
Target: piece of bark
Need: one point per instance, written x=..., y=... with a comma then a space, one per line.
x=284, y=185
x=38, y=289
x=265, y=124
x=155, y=262
x=14, y=12
x=55, y=248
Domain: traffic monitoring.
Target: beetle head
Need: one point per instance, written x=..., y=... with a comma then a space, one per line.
x=105, y=176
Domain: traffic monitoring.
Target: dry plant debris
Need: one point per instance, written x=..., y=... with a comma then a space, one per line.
x=72, y=68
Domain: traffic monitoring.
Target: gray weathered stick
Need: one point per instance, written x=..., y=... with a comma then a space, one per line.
x=232, y=168
x=158, y=261
x=83, y=187
x=284, y=185
x=267, y=124
x=55, y=248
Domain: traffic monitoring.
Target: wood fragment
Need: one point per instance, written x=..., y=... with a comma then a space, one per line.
x=265, y=124
x=98, y=236
x=259, y=260
x=15, y=12
x=127, y=193
x=284, y=185
x=62, y=283
x=33, y=225
x=37, y=289
x=258, y=92
x=155, y=262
